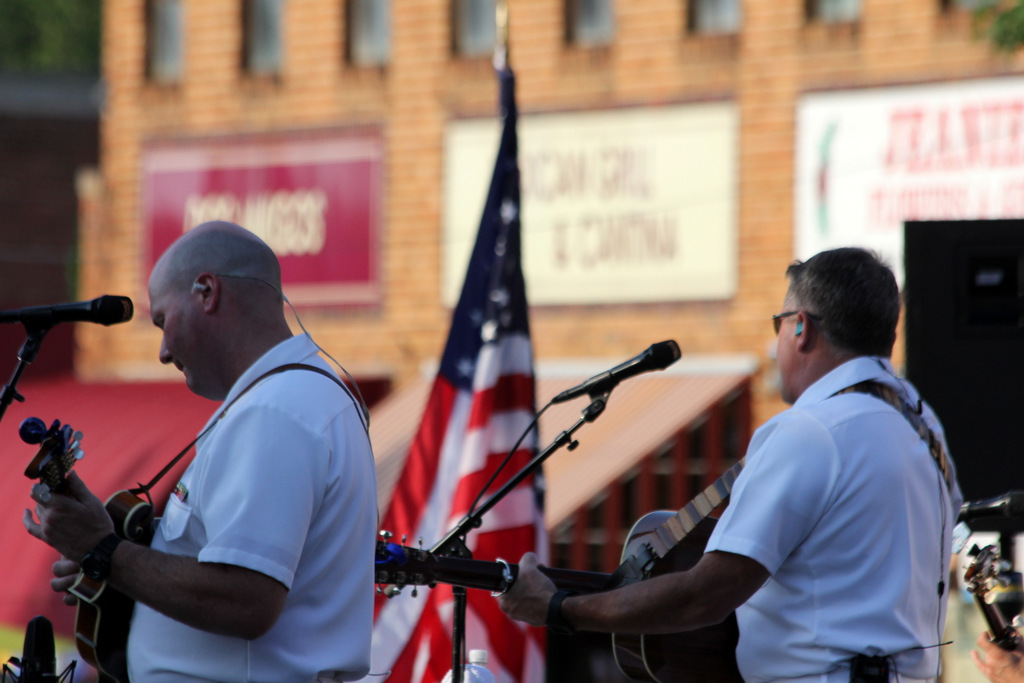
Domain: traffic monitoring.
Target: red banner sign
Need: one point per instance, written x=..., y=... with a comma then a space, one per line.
x=314, y=199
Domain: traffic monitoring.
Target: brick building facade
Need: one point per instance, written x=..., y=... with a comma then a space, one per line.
x=654, y=57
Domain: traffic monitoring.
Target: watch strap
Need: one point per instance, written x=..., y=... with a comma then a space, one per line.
x=103, y=551
x=556, y=621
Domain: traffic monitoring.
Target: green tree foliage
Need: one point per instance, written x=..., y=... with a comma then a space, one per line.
x=1002, y=22
x=48, y=36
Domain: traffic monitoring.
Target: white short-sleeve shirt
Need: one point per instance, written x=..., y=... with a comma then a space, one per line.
x=284, y=485
x=842, y=502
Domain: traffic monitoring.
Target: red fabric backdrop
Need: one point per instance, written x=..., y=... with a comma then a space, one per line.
x=131, y=430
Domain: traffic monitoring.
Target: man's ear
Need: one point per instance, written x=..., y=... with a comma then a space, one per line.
x=207, y=288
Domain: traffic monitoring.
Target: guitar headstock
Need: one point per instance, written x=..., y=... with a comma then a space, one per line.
x=397, y=566
x=988, y=573
x=59, y=449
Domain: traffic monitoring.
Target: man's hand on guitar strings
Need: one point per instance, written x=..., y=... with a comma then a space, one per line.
x=72, y=522
x=999, y=665
x=527, y=600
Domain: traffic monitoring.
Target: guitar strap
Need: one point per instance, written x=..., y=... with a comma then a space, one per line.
x=673, y=530
x=143, y=489
x=912, y=415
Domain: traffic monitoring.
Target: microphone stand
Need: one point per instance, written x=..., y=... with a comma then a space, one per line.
x=27, y=354
x=454, y=542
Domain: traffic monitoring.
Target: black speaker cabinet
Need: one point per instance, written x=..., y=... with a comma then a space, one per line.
x=964, y=296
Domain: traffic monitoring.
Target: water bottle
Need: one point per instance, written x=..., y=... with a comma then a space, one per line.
x=476, y=671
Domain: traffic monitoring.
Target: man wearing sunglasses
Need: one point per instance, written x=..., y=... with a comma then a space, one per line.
x=834, y=549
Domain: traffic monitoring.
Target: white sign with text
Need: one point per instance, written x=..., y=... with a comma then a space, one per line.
x=620, y=206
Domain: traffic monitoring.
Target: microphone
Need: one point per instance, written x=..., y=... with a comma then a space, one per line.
x=38, y=660
x=657, y=357
x=106, y=310
x=1010, y=504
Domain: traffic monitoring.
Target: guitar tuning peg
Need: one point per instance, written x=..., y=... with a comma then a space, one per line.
x=415, y=592
x=386, y=535
x=32, y=430
x=41, y=492
x=77, y=452
x=78, y=436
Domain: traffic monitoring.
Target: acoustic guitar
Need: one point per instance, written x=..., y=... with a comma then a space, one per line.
x=986, y=573
x=659, y=543
x=103, y=615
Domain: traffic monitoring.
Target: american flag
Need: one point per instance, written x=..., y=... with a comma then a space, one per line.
x=481, y=402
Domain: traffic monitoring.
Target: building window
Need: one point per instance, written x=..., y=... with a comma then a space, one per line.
x=948, y=5
x=473, y=27
x=596, y=537
x=714, y=16
x=369, y=32
x=664, y=467
x=589, y=22
x=736, y=428
x=263, y=37
x=562, y=538
x=833, y=11
x=164, y=41
x=697, y=468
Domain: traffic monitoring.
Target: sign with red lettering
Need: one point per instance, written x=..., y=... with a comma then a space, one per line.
x=868, y=160
x=315, y=199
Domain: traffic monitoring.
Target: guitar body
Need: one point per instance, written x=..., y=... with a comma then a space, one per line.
x=104, y=615
x=707, y=655
x=101, y=628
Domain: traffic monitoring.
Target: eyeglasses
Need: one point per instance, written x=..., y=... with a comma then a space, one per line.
x=777, y=318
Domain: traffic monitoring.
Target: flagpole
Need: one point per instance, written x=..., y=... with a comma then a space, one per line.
x=458, y=592
x=500, y=35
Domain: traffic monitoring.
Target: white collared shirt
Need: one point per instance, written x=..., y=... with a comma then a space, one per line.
x=284, y=485
x=841, y=501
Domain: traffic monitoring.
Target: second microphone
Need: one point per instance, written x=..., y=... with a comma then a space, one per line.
x=657, y=357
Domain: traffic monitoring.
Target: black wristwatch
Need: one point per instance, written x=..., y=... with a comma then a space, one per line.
x=555, y=621
x=96, y=563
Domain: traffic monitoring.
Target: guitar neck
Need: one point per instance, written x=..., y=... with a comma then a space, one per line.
x=674, y=529
x=403, y=566
x=1003, y=634
x=410, y=566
